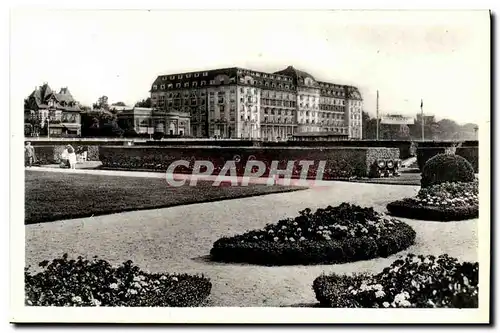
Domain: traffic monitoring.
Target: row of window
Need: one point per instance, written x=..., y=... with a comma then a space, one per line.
x=272, y=102
x=265, y=83
x=326, y=107
x=181, y=76
x=278, y=95
x=265, y=75
x=333, y=93
x=331, y=101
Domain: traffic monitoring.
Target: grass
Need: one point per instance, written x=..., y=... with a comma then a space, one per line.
x=179, y=239
x=54, y=196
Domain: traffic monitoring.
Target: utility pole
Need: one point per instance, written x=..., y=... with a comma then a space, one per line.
x=377, y=116
x=422, y=115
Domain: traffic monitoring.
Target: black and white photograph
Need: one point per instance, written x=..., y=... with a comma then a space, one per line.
x=250, y=166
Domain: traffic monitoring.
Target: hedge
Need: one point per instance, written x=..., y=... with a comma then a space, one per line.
x=410, y=209
x=341, y=163
x=471, y=154
x=424, y=154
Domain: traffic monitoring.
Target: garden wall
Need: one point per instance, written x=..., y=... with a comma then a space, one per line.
x=341, y=162
x=403, y=146
x=467, y=149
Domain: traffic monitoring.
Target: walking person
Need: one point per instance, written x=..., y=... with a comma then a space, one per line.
x=65, y=157
x=71, y=157
x=29, y=154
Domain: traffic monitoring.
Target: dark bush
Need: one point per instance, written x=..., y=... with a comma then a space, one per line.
x=339, y=234
x=410, y=208
x=158, y=135
x=411, y=282
x=426, y=153
x=447, y=168
x=471, y=154
x=95, y=282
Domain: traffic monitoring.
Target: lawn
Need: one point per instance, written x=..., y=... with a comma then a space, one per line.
x=178, y=239
x=54, y=196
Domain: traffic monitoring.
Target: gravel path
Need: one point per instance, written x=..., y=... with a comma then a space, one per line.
x=177, y=239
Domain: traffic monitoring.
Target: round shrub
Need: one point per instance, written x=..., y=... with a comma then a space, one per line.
x=82, y=282
x=410, y=282
x=339, y=234
x=446, y=168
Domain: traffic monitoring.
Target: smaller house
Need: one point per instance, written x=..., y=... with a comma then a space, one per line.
x=54, y=114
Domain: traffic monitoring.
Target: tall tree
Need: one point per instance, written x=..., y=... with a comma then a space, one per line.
x=102, y=103
x=145, y=103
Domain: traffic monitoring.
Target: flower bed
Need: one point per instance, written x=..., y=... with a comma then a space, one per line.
x=333, y=235
x=95, y=282
x=411, y=282
x=443, y=202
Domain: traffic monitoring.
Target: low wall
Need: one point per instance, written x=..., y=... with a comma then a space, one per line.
x=48, y=151
x=403, y=146
x=51, y=154
x=340, y=162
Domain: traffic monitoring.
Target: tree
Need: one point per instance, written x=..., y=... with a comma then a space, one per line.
x=118, y=104
x=369, y=126
x=100, y=124
x=145, y=103
x=102, y=103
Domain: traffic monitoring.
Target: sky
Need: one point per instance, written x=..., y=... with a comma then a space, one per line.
x=441, y=57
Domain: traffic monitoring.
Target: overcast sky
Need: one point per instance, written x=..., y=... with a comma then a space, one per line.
x=442, y=57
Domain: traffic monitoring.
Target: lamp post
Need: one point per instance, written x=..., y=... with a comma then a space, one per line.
x=48, y=127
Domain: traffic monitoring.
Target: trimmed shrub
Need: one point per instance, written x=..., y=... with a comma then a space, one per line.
x=95, y=282
x=410, y=282
x=446, y=168
x=339, y=234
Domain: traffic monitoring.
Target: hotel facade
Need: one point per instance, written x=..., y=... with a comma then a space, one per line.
x=244, y=103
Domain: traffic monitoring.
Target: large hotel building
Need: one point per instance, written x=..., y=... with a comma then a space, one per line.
x=243, y=103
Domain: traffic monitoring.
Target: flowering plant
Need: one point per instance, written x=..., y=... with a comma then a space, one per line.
x=82, y=282
x=413, y=281
x=446, y=201
x=449, y=194
x=333, y=234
